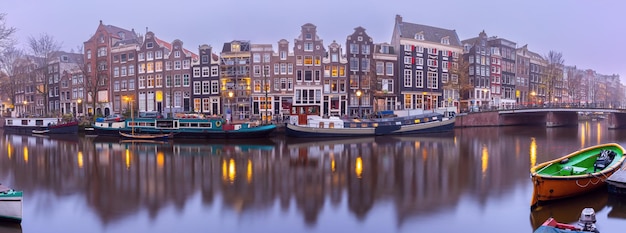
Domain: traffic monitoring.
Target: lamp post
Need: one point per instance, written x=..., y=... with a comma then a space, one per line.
x=358, y=95
x=532, y=95
x=80, y=108
x=25, y=107
x=230, y=107
x=265, y=86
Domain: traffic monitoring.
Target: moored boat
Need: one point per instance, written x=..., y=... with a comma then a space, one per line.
x=59, y=128
x=196, y=127
x=586, y=224
x=26, y=125
x=159, y=136
x=576, y=173
x=388, y=123
x=10, y=204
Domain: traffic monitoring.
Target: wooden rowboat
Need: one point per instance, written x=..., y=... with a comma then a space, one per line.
x=579, y=172
x=162, y=136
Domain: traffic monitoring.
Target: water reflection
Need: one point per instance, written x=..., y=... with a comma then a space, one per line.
x=417, y=177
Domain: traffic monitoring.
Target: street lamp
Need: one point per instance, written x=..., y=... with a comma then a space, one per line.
x=266, y=87
x=25, y=106
x=80, y=106
x=533, y=94
x=358, y=95
x=230, y=107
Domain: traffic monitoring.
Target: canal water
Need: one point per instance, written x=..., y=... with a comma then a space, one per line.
x=473, y=179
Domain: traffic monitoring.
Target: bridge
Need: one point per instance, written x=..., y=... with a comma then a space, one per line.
x=549, y=115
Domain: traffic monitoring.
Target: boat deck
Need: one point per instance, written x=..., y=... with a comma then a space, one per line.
x=617, y=181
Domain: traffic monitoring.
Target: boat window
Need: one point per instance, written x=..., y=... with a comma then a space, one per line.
x=331, y=125
x=9, y=122
x=206, y=125
x=352, y=125
x=321, y=125
x=417, y=121
x=364, y=125
x=38, y=122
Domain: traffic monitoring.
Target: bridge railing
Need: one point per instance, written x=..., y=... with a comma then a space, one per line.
x=599, y=105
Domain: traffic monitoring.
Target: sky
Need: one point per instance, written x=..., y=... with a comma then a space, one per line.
x=588, y=33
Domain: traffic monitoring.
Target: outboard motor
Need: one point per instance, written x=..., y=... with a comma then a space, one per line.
x=587, y=220
x=604, y=159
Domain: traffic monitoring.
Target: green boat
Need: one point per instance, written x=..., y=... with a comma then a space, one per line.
x=10, y=204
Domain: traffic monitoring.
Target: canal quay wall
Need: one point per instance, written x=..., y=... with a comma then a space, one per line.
x=546, y=118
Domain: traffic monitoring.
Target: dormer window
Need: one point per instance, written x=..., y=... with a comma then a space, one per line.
x=419, y=36
x=122, y=35
x=308, y=36
x=149, y=45
x=445, y=40
x=235, y=48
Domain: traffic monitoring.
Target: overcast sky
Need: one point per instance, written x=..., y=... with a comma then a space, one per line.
x=589, y=33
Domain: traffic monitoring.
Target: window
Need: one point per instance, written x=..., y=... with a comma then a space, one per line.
x=266, y=57
x=149, y=56
x=408, y=81
x=116, y=72
x=131, y=84
x=408, y=60
x=215, y=87
x=142, y=82
x=419, y=36
x=158, y=54
x=149, y=45
x=206, y=87
x=150, y=81
x=256, y=58
x=177, y=65
x=177, y=80
x=283, y=55
x=365, y=64
x=214, y=71
x=389, y=68
x=185, y=80
x=89, y=54
x=176, y=54
x=365, y=49
x=205, y=71
x=432, y=80
x=290, y=68
x=140, y=57
x=445, y=40
x=186, y=64
x=308, y=46
x=205, y=59
x=158, y=80
x=102, y=51
x=197, y=88
x=354, y=64
x=354, y=48
x=308, y=75
x=196, y=72
x=131, y=70
x=308, y=60
x=419, y=78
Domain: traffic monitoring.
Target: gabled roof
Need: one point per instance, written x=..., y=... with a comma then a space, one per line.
x=167, y=45
x=432, y=34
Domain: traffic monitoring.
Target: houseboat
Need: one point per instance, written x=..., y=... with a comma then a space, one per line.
x=415, y=121
x=26, y=125
x=191, y=126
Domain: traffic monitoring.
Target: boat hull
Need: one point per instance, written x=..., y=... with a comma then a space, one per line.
x=313, y=132
x=554, y=186
x=221, y=132
x=27, y=125
x=11, y=206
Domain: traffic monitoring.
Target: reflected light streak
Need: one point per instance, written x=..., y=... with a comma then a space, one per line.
x=224, y=171
x=25, y=154
x=80, y=159
x=249, y=171
x=485, y=160
x=424, y=154
x=127, y=158
x=358, y=167
x=598, y=133
x=533, y=152
x=9, y=150
x=232, y=171
x=583, y=134
x=160, y=159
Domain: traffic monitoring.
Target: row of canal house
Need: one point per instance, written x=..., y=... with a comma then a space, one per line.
x=124, y=69
x=418, y=69
x=256, y=81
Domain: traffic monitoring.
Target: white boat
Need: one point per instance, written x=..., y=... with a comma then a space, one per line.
x=10, y=204
x=415, y=121
x=28, y=124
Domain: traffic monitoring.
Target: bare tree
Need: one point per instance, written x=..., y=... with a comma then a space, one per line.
x=10, y=61
x=461, y=85
x=90, y=83
x=43, y=49
x=6, y=33
x=575, y=84
x=554, y=73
